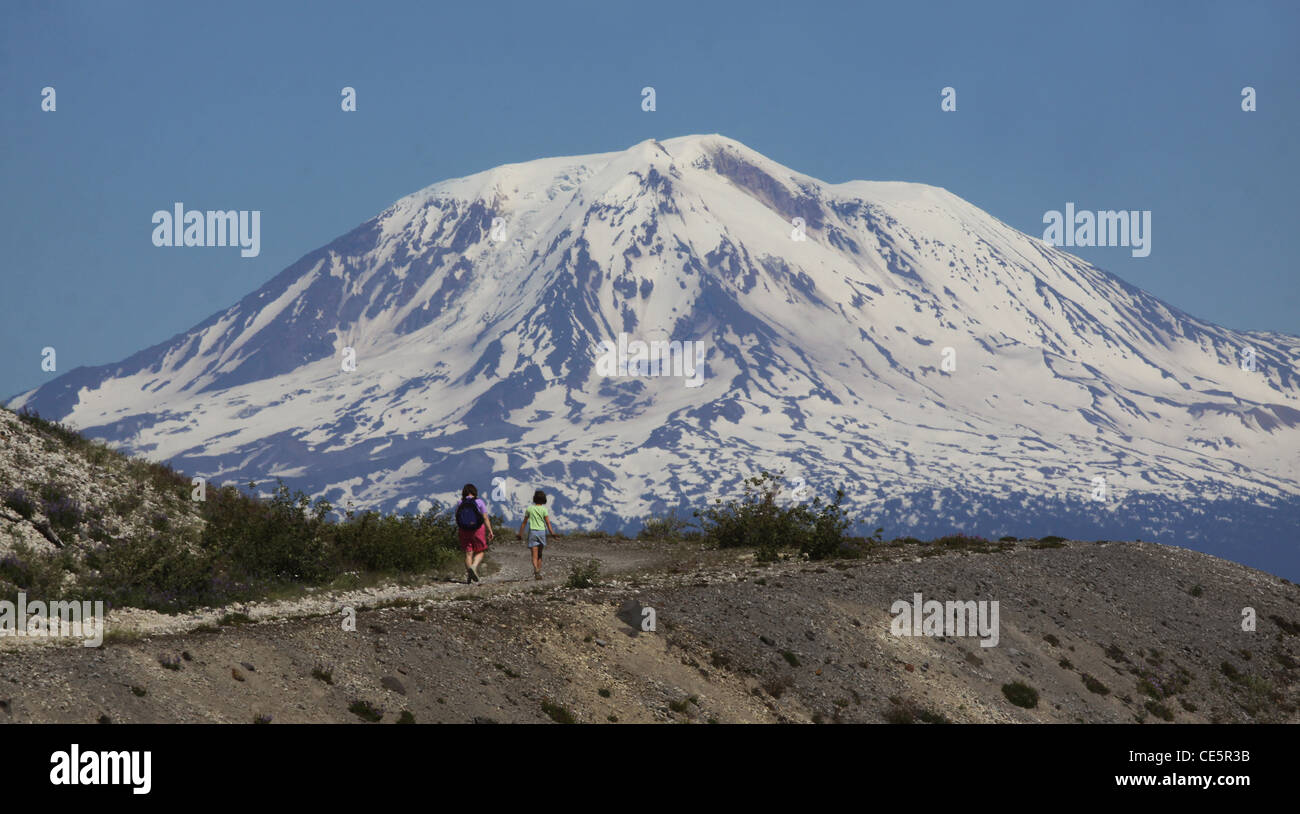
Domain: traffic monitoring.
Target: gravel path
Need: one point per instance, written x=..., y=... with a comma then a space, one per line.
x=508, y=569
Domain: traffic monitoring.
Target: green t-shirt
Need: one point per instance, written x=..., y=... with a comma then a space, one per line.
x=536, y=517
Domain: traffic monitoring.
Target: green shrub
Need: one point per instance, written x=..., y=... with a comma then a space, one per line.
x=162, y=477
x=753, y=521
x=557, y=712
x=125, y=503
x=828, y=523
x=756, y=520
x=235, y=545
x=1159, y=710
x=926, y=716
x=961, y=540
x=365, y=711
x=65, y=514
x=21, y=502
x=583, y=575
x=285, y=538
x=54, y=430
x=35, y=573
x=1259, y=694
x=667, y=527
x=1095, y=686
x=902, y=541
x=155, y=571
x=408, y=543
x=1021, y=694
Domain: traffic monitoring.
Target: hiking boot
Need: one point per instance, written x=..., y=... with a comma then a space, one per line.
x=470, y=576
x=537, y=573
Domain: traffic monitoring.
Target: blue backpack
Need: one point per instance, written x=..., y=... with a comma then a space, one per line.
x=468, y=517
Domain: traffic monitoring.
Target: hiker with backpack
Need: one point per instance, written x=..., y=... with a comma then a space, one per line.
x=536, y=523
x=474, y=528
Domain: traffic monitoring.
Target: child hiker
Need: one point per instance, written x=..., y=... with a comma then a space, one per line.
x=536, y=524
x=475, y=530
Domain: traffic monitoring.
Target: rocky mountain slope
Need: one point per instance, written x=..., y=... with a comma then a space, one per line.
x=60, y=492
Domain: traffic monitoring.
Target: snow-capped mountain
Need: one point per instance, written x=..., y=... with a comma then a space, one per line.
x=476, y=310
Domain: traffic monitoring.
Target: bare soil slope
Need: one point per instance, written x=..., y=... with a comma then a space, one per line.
x=1113, y=632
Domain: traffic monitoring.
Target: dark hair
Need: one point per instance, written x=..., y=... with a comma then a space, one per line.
x=470, y=490
x=539, y=497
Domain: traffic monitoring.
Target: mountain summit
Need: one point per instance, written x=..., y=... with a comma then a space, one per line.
x=946, y=369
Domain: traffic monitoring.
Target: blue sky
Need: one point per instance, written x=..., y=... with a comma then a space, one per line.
x=236, y=106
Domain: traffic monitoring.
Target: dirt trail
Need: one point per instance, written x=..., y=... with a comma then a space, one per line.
x=1113, y=632
x=508, y=566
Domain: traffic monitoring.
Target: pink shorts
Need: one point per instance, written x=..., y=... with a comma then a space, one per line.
x=472, y=542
